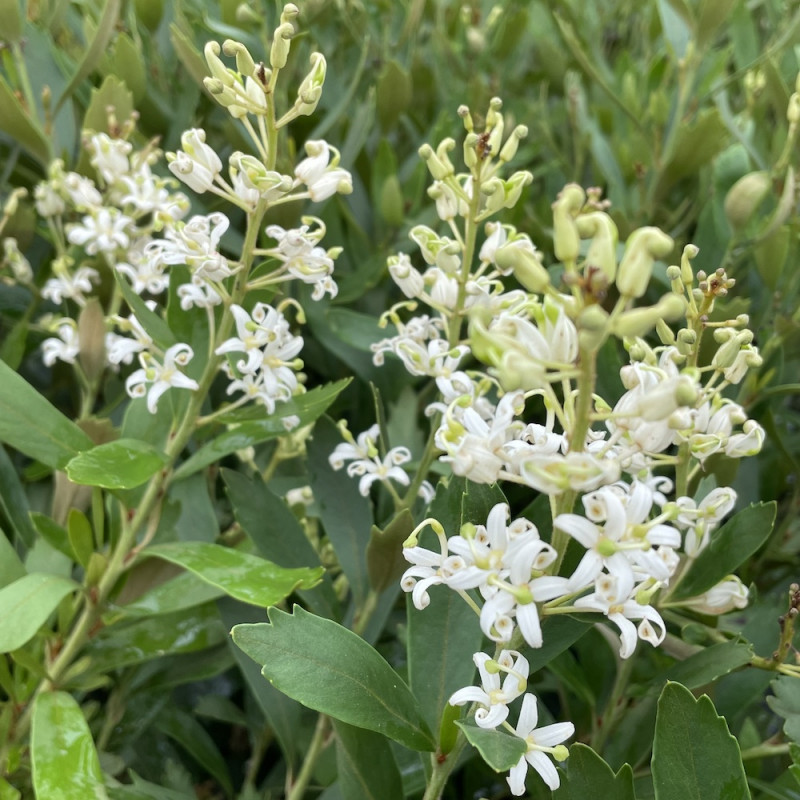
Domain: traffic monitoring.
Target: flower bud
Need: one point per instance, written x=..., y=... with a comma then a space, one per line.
x=217, y=67
x=281, y=42
x=470, y=150
x=522, y=258
x=592, y=328
x=728, y=594
x=565, y=231
x=602, y=253
x=665, y=333
x=244, y=61
x=745, y=196
x=640, y=321
x=644, y=245
x=91, y=339
x=439, y=171
x=687, y=273
x=509, y=149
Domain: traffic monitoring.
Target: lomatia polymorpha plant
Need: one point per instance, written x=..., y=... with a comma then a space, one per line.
x=564, y=491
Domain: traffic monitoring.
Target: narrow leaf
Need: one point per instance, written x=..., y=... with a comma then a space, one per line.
x=366, y=768
x=155, y=327
x=30, y=424
x=26, y=604
x=63, y=755
x=122, y=464
x=183, y=591
x=694, y=755
x=499, y=750
x=246, y=577
x=11, y=567
x=306, y=407
x=14, y=501
x=16, y=122
x=730, y=546
x=330, y=669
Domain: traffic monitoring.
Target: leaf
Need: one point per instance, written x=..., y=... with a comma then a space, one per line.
x=499, y=750
x=307, y=407
x=707, y=665
x=695, y=757
x=142, y=640
x=328, y=668
x=30, y=424
x=589, y=776
x=10, y=21
x=155, y=327
x=365, y=766
x=181, y=592
x=730, y=546
x=11, y=568
x=25, y=130
x=56, y=536
x=26, y=604
x=786, y=703
x=95, y=51
x=346, y=515
x=188, y=54
x=246, y=577
x=122, y=464
x=441, y=642
x=675, y=28
x=193, y=737
x=14, y=501
x=64, y=760
x=385, y=562
x=111, y=94
x=81, y=538
x=277, y=534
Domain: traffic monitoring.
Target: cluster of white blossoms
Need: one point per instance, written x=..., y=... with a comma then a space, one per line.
x=128, y=222
x=516, y=373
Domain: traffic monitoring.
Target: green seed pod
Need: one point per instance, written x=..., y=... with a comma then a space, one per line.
x=745, y=196
x=391, y=201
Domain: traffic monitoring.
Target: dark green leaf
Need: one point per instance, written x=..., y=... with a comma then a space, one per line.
x=64, y=760
x=246, y=577
x=156, y=328
x=81, y=538
x=385, y=562
x=366, y=768
x=331, y=669
x=122, y=464
x=694, y=755
x=307, y=407
x=183, y=591
x=53, y=533
x=14, y=501
x=31, y=425
x=786, y=703
x=26, y=604
x=589, y=776
x=11, y=568
x=500, y=750
x=707, y=665
x=730, y=546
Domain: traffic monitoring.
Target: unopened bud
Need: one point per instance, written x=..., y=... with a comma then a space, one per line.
x=216, y=65
x=745, y=196
x=643, y=247
x=438, y=170
x=640, y=321
x=793, y=110
x=281, y=43
x=566, y=239
x=509, y=149
x=525, y=262
x=665, y=333
x=602, y=253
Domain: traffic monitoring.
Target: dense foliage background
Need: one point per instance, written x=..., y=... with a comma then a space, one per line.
x=665, y=104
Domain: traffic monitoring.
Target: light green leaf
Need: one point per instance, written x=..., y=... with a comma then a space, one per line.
x=111, y=94
x=246, y=577
x=181, y=592
x=81, y=539
x=64, y=760
x=500, y=750
x=26, y=604
x=589, y=776
x=730, y=546
x=188, y=54
x=155, y=327
x=7, y=791
x=366, y=768
x=121, y=464
x=30, y=424
x=330, y=669
x=695, y=757
x=52, y=533
x=14, y=501
x=11, y=567
x=307, y=407
x=95, y=51
x=675, y=27
x=10, y=21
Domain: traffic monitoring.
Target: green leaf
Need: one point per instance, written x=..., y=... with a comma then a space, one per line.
x=695, y=757
x=30, y=424
x=345, y=514
x=730, y=546
x=64, y=760
x=95, y=51
x=193, y=737
x=129, y=66
x=365, y=766
x=330, y=669
x=188, y=54
x=786, y=703
x=181, y=592
x=10, y=21
x=111, y=94
x=26, y=604
x=11, y=567
x=52, y=533
x=707, y=665
x=121, y=464
x=499, y=750
x=385, y=562
x=14, y=501
x=246, y=577
x=181, y=632
x=155, y=327
x=278, y=535
x=589, y=776
x=7, y=791
x=307, y=407
x=675, y=27
x=81, y=539
x=19, y=124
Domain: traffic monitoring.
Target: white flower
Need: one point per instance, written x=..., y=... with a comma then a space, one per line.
x=302, y=258
x=197, y=165
x=65, y=348
x=70, y=287
x=82, y=192
x=103, y=231
x=109, y=156
x=725, y=596
x=160, y=377
x=144, y=273
x=539, y=743
x=198, y=294
x=700, y=520
x=195, y=244
x=321, y=179
x=121, y=349
x=405, y=275
x=492, y=696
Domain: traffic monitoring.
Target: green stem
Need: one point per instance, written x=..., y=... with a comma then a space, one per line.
x=765, y=750
x=315, y=748
x=441, y=767
x=611, y=713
